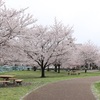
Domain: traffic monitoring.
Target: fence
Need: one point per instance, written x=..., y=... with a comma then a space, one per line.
x=7, y=68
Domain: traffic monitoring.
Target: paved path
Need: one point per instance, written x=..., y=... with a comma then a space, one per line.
x=75, y=89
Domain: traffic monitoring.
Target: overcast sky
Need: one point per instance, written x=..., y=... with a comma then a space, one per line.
x=84, y=15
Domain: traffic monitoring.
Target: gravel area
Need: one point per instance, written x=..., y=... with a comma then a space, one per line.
x=75, y=89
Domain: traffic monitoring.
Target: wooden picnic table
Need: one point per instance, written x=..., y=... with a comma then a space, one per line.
x=6, y=77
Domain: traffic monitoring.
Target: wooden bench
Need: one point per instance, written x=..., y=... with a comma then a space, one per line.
x=19, y=81
x=13, y=80
x=73, y=73
x=4, y=82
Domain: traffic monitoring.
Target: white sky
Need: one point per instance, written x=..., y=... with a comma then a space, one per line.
x=84, y=15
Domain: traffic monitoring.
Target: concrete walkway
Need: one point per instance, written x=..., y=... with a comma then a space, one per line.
x=75, y=89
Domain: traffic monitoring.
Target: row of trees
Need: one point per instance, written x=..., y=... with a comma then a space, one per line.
x=22, y=41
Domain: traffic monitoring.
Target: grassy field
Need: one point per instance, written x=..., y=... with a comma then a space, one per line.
x=97, y=90
x=33, y=81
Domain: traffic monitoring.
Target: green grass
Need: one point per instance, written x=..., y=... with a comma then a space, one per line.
x=33, y=81
x=96, y=89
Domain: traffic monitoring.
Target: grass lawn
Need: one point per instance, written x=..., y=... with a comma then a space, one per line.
x=33, y=81
x=97, y=90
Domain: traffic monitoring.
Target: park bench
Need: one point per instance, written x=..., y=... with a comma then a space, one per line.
x=19, y=81
x=4, y=82
x=16, y=81
x=73, y=72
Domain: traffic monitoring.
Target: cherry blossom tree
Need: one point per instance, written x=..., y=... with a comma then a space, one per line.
x=75, y=58
x=88, y=53
x=45, y=45
x=11, y=55
x=97, y=61
x=13, y=24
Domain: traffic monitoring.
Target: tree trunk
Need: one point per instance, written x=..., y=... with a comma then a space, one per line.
x=42, y=72
x=85, y=70
x=55, y=68
x=48, y=69
x=58, y=68
x=42, y=69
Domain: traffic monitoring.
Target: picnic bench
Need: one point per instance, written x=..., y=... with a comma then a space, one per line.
x=73, y=72
x=10, y=78
x=19, y=81
x=4, y=82
x=16, y=81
